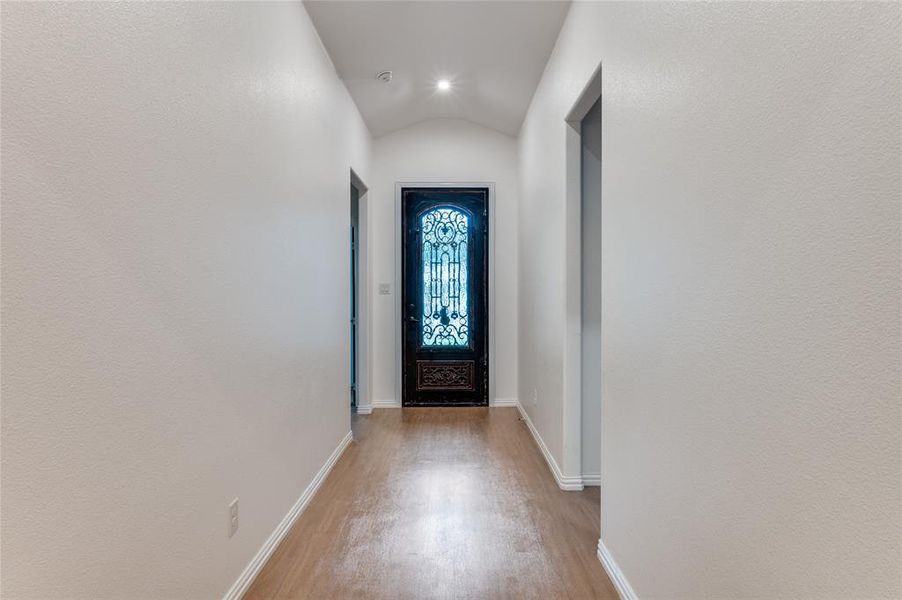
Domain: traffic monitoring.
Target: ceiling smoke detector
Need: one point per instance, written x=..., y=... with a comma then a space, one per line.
x=384, y=76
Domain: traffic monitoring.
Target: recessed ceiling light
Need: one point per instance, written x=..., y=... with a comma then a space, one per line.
x=443, y=85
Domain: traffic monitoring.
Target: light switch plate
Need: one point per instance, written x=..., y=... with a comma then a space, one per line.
x=233, y=517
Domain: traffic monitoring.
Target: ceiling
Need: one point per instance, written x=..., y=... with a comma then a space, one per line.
x=493, y=52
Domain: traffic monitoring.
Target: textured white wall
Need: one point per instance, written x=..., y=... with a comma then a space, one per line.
x=443, y=150
x=751, y=291
x=174, y=238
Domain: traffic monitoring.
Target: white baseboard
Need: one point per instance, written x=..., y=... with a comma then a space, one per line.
x=498, y=403
x=623, y=587
x=386, y=404
x=592, y=479
x=364, y=409
x=568, y=483
x=250, y=572
x=505, y=402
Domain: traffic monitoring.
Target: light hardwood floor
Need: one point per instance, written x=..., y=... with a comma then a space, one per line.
x=440, y=503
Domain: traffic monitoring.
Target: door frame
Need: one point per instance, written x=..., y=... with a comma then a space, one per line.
x=399, y=250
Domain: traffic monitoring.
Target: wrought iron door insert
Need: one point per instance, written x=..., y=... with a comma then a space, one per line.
x=445, y=296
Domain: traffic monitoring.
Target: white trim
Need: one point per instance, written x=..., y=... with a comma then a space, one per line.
x=623, y=587
x=592, y=479
x=364, y=410
x=386, y=404
x=399, y=370
x=505, y=402
x=253, y=568
x=570, y=484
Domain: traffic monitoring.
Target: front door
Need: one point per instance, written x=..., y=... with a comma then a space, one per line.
x=445, y=296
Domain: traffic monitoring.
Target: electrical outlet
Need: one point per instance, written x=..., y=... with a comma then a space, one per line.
x=535, y=396
x=233, y=517
x=384, y=289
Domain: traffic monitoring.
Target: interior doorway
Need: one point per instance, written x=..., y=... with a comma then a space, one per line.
x=590, y=295
x=355, y=286
x=359, y=299
x=583, y=372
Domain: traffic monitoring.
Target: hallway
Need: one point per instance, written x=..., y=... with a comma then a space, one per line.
x=245, y=244
x=440, y=503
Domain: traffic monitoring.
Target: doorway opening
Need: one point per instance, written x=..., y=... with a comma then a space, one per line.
x=358, y=300
x=445, y=318
x=590, y=295
x=582, y=415
x=354, y=268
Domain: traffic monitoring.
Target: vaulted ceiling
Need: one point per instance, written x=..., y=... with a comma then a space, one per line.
x=492, y=53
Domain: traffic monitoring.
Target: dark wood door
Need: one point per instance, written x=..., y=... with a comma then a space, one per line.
x=445, y=296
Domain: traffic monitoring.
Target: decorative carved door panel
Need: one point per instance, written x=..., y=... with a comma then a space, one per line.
x=445, y=296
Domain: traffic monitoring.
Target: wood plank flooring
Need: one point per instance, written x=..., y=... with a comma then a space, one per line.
x=440, y=503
